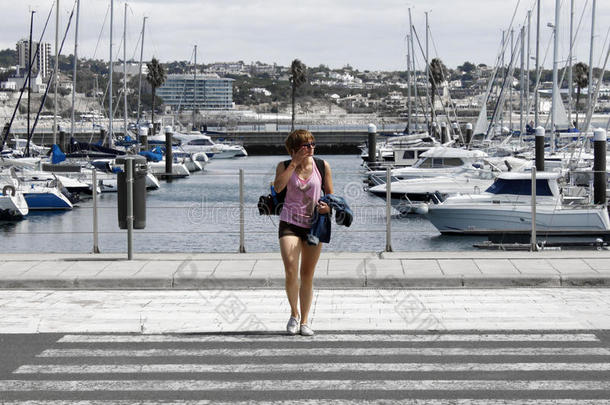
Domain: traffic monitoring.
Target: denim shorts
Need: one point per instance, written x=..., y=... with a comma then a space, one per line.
x=286, y=229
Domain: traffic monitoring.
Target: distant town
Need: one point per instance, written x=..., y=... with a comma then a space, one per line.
x=261, y=88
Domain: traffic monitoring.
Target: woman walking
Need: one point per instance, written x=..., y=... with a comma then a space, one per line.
x=303, y=181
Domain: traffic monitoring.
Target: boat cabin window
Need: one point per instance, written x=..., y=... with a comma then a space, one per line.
x=520, y=187
x=408, y=154
x=439, y=162
x=202, y=141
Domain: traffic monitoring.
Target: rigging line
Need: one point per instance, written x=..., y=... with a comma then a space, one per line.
x=54, y=76
x=7, y=128
x=101, y=32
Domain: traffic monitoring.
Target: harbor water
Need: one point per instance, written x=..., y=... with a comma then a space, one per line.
x=201, y=213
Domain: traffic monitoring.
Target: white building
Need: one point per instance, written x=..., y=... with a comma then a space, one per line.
x=42, y=61
x=211, y=92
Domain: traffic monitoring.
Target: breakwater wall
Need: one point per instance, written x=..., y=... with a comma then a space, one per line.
x=255, y=142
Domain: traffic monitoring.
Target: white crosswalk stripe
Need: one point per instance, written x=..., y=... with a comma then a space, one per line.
x=301, y=385
x=356, y=351
x=436, y=368
x=347, y=337
x=303, y=367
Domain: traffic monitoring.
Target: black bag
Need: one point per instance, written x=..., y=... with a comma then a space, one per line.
x=271, y=204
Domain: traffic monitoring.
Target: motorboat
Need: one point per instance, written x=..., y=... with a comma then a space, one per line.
x=194, y=142
x=437, y=161
x=413, y=195
x=13, y=205
x=506, y=206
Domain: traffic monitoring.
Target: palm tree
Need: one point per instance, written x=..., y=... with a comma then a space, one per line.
x=437, y=72
x=581, y=79
x=298, y=77
x=156, y=77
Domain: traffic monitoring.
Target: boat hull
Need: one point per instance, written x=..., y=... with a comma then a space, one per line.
x=486, y=220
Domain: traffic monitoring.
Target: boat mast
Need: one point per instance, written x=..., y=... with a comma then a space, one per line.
x=194, y=126
x=593, y=8
x=428, y=76
x=110, y=135
x=125, y=71
x=522, y=86
x=536, y=101
x=56, y=68
x=555, y=96
x=140, y=68
x=570, y=84
x=527, y=67
x=74, y=65
x=409, y=106
x=28, y=82
x=412, y=61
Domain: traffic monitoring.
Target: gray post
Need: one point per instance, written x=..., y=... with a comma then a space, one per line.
x=388, y=210
x=468, y=133
x=143, y=134
x=540, y=149
x=169, y=156
x=62, y=138
x=444, y=137
x=533, y=243
x=599, y=166
x=129, y=180
x=96, y=248
x=242, y=246
x=372, y=143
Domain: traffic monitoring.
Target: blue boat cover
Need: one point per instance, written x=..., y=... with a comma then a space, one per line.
x=57, y=156
x=151, y=156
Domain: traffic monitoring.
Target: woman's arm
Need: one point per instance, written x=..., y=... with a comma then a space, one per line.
x=282, y=175
x=328, y=179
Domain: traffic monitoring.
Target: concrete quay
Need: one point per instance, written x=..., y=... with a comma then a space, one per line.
x=336, y=270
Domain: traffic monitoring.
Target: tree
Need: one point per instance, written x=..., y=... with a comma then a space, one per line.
x=581, y=79
x=298, y=77
x=437, y=72
x=156, y=77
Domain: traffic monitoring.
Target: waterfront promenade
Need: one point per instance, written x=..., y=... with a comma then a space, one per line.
x=230, y=271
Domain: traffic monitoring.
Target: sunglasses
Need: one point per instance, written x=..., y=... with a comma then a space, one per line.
x=309, y=145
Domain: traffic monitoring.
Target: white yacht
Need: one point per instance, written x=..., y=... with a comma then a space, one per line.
x=194, y=141
x=506, y=206
x=12, y=201
x=413, y=195
x=437, y=161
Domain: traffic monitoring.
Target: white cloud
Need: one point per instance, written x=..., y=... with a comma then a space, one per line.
x=366, y=34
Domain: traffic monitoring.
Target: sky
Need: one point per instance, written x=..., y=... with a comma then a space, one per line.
x=366, y=34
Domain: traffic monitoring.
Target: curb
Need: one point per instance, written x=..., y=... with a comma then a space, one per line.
x=216, y=283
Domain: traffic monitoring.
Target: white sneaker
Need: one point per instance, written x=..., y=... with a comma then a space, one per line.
x=306, y=330
x=293, y=326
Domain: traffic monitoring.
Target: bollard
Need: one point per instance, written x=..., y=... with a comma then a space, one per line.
x=96, y=248
x=540, y=149
x=599, y=166
x=102, y=138
x=129, y=181
x=388, y=210
x=62, y=138
x=533, y=242
x=143, y=137
x=169, y=156
x=456, y=130
x=372, y=143
x=444, y=133
x=468, y=133
x=242, y=222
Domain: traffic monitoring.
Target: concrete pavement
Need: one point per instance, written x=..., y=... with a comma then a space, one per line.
x=227, y=271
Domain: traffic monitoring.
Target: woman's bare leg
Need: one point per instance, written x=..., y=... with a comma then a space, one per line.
x=309, y=260
x=290, y=247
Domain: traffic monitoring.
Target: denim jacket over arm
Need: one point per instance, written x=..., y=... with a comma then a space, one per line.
x=320, y=226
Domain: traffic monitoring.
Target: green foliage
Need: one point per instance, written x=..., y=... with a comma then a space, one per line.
x=8, y=57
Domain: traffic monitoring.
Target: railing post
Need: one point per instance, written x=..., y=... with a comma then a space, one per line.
x=533, y=243
x=242, y=247
x=388, y=210
x=96, y=248
x=129, y=180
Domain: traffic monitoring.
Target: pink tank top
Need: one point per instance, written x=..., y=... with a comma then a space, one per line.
x=301, y=198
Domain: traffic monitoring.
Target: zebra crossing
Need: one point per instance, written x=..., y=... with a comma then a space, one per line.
x=338, y=368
